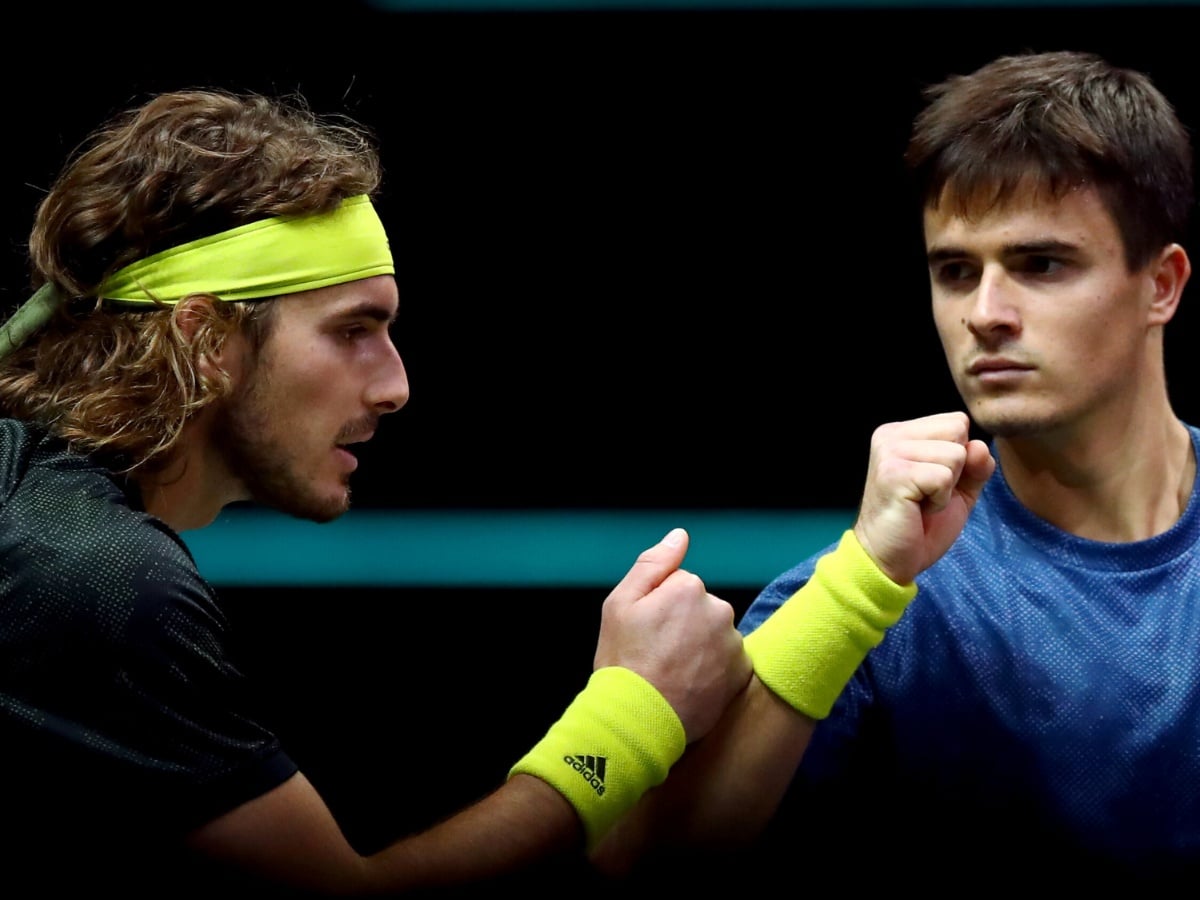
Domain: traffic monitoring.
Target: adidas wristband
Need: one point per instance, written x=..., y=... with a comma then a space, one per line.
x=616, y=740
x=806, y=651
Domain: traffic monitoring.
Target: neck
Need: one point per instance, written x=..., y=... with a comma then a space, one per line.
x=193, y=487
x=1102, y=484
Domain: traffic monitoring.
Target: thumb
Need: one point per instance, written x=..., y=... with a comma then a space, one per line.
x=652, y=567
x=978, y=469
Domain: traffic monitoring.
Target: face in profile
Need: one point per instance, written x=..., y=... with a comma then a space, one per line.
x=325, y=375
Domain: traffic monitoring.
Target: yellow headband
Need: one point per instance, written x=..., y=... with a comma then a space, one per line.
x=283, y=255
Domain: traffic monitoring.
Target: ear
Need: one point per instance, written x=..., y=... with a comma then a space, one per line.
x=194, y=318
x=1170, y=273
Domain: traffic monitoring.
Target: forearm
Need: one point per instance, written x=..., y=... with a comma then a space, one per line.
x=289, y=837
x=667, y=662
x=522, y=824
x=723, y=791
x=616, y=740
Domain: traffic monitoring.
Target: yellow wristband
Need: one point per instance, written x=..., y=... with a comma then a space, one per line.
x=616, y=740
x=806, y=651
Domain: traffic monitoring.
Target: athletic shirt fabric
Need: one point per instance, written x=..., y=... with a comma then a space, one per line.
x=1033, y=716
x=123, y=721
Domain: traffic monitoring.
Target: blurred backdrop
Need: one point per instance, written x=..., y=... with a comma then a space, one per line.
x=658, y=266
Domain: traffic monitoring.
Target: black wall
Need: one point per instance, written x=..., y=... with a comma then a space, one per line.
x=647, y=259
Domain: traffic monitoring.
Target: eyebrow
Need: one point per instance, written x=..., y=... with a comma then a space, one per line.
x=368, y=309
x=1026, y=248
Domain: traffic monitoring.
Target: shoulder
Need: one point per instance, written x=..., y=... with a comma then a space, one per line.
x=981, y=542
x=780, y=589
x=73, y=547
x=18, y=441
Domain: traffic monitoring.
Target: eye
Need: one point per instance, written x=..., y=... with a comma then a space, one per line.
x=955, y=273
x=1042, y=265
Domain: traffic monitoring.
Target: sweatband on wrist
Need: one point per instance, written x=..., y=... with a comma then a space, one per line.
x=806, y=651
x=616, y=740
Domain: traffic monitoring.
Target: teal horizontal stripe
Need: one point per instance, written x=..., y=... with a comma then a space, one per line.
x=249, y=547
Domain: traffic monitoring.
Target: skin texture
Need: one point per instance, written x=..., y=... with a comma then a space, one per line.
x=327, y=373
x=1057, y=349
x=1039, y=318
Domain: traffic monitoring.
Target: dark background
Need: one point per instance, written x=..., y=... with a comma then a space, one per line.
x=646, y=260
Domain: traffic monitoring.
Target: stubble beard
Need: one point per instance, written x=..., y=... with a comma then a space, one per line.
x=262, y=461
x=1003, y=423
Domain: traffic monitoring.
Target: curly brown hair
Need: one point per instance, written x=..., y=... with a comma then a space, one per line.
x=122, y=383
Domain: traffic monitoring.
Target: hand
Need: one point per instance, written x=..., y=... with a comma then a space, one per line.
x=662, y=623
x=923, y=480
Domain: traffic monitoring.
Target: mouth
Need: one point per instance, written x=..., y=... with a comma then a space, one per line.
x=357, y=437
x=346, y=457
x=350, y=437
x=994, y=368
x=346, y=449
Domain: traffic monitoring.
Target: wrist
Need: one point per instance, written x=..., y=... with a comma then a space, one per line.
x=811, y=645
x=616, y=740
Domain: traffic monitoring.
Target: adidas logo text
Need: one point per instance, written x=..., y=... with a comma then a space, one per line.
x=591, y=768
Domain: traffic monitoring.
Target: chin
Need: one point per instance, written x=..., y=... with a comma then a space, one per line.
x=331, y=507
x=1011, y=423
x=308, y=505
x=327, y=514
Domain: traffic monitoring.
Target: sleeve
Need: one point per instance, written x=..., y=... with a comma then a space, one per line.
x=777, y=592
x=205, y=736
x=125, y=701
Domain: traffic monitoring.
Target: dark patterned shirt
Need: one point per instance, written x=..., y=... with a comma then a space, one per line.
x=122, y=718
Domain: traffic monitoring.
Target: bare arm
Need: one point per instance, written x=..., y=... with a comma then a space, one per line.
x=659, y=623
x=923, y=479
x=720, y=796
x=289, y=836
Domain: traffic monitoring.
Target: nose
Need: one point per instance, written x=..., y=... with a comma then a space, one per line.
x=387, y=391
x=994, y=310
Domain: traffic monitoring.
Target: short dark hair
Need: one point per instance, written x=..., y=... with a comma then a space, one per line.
x=1063, y=119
